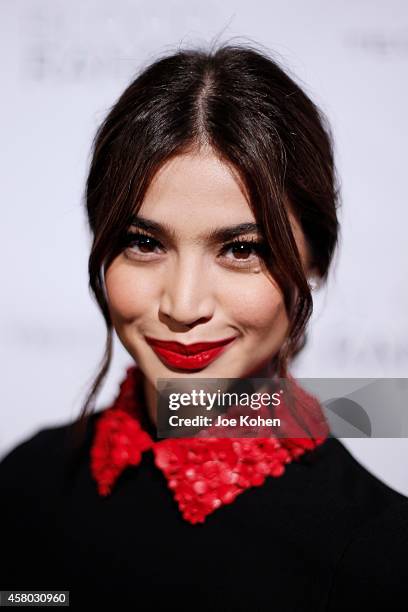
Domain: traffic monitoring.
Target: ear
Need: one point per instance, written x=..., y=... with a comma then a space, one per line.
x=314, y=279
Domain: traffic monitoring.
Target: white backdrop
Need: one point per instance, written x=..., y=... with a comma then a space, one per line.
x=64, y=63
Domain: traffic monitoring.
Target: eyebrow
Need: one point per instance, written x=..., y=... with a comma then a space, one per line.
x=215, y=235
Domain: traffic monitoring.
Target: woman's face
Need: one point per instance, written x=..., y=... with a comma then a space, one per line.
x=182, y=285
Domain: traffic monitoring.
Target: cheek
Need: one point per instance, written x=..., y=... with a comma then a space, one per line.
x=255, y=306
x=259, y=306
x=129, y=294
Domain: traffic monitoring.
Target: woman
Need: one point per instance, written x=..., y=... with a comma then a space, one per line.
x=212, y=201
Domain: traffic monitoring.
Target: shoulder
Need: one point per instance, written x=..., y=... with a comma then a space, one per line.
x=37, y=447
x=39, y=458
x=370, y=566
x=347, y=481
x=372, y=569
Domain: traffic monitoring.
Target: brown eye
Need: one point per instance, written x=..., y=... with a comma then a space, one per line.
x=144, y=244
x=242, y=251
x=140, y=244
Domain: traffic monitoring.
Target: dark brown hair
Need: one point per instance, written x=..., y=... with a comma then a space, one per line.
x=238, y=101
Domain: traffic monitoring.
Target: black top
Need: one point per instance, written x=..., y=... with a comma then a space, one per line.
x=326, y=535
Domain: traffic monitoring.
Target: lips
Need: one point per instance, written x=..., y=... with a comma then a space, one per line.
x=188, y=356
x=187, y=349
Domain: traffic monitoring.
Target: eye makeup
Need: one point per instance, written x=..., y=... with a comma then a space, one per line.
x=147, y=245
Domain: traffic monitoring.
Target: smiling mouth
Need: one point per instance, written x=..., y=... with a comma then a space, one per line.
x=187, y=349
x=189, y=357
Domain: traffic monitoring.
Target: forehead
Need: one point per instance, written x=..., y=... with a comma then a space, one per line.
x=197, y=191
x=198, y=188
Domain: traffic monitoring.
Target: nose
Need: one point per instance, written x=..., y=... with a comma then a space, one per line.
x=187, y=297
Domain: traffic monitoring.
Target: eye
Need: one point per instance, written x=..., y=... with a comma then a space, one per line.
x=137, y=243
x=244, y=252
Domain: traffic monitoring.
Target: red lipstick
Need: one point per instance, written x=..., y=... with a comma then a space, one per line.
x=188, y=356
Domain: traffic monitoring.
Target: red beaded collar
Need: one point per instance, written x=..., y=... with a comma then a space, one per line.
x=203, y=473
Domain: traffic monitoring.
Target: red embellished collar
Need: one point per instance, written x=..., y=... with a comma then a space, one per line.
x=203, y=473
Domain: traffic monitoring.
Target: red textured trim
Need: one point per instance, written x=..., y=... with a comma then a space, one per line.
x=202, y=473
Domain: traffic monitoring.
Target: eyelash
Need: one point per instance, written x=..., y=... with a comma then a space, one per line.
x=259, y=247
